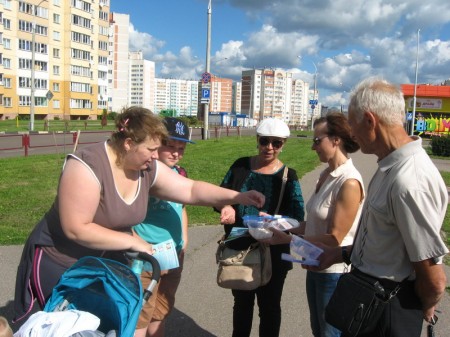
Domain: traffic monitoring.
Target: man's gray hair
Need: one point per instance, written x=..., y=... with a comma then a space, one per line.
x=379, y=97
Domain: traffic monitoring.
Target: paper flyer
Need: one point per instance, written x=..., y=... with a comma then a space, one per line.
x=303, y=252
x=237, y=232
x=166, y=254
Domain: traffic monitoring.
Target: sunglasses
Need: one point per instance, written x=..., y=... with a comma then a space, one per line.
x=317, y=140
x=276, y=143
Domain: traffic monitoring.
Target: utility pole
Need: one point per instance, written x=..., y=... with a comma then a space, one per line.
x=313, y=106
x=415, y=87
x=208, y=52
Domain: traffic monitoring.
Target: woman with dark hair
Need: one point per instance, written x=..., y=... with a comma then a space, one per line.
x=333, y=212
x=103, y=191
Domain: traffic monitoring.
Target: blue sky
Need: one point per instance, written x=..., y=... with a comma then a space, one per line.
x=347, y=40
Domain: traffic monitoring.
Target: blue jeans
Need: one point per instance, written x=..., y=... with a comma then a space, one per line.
x=319, y=288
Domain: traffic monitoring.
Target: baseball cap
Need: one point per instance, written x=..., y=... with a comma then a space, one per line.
x=178, y=130
x=272, y=127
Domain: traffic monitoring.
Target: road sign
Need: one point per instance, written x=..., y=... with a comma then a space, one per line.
x=313, y=106
x=206, y=93
x=313, y=101
x=206, y=77
x=204, y=101
x=409, y=116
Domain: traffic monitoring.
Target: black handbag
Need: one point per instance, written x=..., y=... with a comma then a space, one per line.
x=357, y=303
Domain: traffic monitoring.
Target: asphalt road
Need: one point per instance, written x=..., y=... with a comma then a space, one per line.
x=11, y=144
x=203, y=309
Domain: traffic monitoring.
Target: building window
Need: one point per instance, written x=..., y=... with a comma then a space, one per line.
x=56, y=36
x=56, y=18
x=56, y=53
x=7, y=63
x=7, y=102
x=55, y=70
x=7, y=43
x=7, y=24
x=56, y=104
x=56, y=87
x=7, y=82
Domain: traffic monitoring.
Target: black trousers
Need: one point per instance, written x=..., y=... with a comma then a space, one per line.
x=269, y=302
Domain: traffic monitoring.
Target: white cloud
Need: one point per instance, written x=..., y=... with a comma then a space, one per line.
x=348, y=40
x=144, y=42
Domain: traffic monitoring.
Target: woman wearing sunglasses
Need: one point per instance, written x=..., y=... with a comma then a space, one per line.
x=333, y=212
x=263, y=172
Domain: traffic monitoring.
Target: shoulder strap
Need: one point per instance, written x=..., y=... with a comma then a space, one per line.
x=283, y=185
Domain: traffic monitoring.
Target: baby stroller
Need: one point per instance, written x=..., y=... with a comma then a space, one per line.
x=107, y=289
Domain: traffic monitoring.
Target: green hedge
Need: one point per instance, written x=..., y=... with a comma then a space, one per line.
x=440, y=146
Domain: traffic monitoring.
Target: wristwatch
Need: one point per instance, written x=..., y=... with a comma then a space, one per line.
x=345, y=256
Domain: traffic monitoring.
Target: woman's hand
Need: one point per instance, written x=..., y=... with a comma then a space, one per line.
x=140, y=245
x=227, y=215
x=278, y=237
x=251, y=198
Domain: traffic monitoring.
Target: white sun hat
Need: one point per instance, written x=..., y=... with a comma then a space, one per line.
x=272, y=127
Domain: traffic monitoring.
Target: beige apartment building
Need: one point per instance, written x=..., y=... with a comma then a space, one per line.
x=266, y=93
x=63, y=46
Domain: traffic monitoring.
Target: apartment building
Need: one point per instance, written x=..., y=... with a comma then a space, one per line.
x=266, y=93
x=180, y=96
x=299, y=103
x=221, y=95
x=141, y=81
x=118, y=63
x=54, y=58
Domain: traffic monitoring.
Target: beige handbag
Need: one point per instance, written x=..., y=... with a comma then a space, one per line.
x=243, y=269
x=246, y=269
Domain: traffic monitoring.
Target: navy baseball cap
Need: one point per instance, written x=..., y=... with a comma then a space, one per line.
x=178, y=130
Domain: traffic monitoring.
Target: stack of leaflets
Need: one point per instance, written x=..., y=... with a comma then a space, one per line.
x=303, y=252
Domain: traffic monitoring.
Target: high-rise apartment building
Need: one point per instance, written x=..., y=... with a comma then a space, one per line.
x=53, y=53
x=119, y=64
x=299, y=103
x=141, y=81
x=221, y=95
x=266, y=93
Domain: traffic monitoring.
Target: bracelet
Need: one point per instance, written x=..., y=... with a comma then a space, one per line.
x=345, y=256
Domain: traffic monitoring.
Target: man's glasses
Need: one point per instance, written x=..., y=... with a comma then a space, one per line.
x=317, y=140
x=276, y=143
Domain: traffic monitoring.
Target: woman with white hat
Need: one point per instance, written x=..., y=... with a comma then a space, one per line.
x=262, y=172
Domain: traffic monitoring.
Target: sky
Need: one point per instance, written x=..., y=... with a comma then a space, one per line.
x=341, y=41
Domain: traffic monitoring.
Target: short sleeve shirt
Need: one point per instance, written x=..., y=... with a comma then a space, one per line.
x=403, y=214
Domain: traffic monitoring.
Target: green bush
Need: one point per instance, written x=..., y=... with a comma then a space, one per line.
x=440, y=146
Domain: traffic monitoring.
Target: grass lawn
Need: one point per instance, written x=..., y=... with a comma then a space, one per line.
x=28, y=184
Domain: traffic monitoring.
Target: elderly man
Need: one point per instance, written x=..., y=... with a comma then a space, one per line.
x=398, y=241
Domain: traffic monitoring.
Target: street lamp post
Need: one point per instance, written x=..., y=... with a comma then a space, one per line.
x=313, y=106
x=33, y=57
x=415, y=86
x=208, y=52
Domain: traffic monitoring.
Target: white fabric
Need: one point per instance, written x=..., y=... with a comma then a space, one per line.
x=320, y=207
x=58, y=324
x=405, y=207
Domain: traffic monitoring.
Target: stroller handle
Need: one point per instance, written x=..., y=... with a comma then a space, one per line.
x=156, y=270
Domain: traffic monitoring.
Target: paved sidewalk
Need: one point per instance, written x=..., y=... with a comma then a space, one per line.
x=205, y=310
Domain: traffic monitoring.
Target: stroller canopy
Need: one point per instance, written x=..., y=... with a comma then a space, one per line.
x=106, y=288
